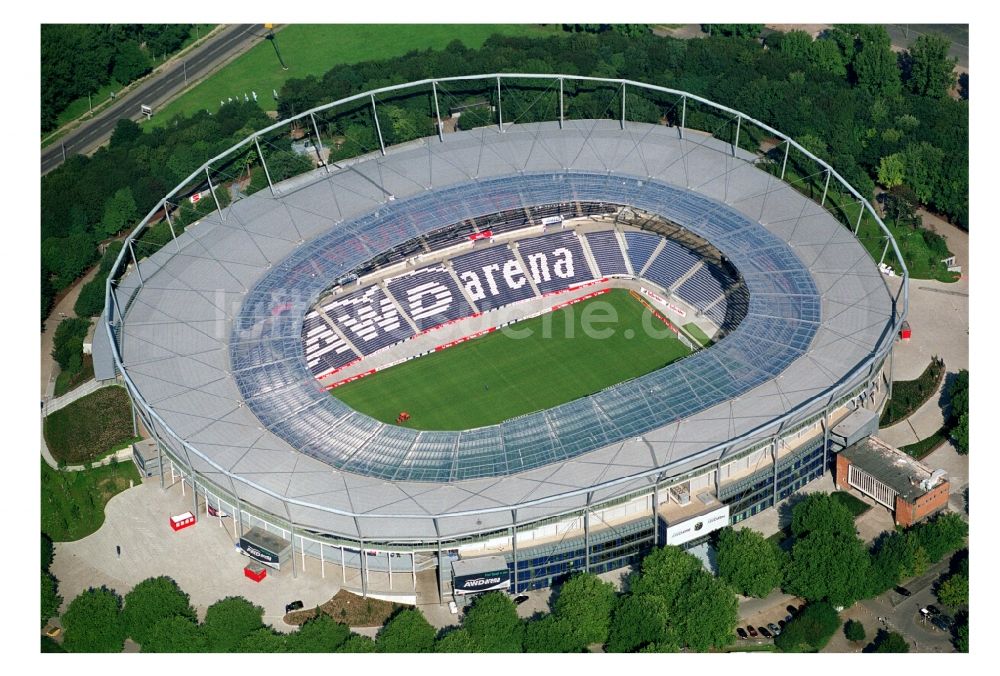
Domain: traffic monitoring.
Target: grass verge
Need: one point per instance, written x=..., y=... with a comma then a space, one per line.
x=73, y=502
x=349, y=609
x=313, y=49
x=925, y=447
x=86, y=429
x=551, y=360
x=909, y=395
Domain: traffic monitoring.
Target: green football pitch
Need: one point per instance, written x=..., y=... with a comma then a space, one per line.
x=552, y=359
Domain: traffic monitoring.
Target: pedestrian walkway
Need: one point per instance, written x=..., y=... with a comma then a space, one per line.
x=921, y=424
x=78, y=392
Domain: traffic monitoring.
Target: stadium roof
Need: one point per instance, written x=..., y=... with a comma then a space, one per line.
x=210, y=358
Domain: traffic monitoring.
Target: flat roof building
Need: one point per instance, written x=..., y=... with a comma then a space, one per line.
x=909, y=489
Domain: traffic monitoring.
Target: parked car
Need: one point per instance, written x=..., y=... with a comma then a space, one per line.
x=903, y=591
x=775, y=629
x=933, y=610
x=293, y=606
x=764, y=632
x=752, y=631
x=518, y=600
x=942, y=622
x=791, y=610
x=741, y=632
x=788, y=618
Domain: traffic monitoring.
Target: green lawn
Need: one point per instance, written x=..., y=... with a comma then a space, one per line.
x=498, y=376
x=73, y=502
x=921, y=260
x=68, y=380
x=909, y=395
x=856, y=506
x=697, y=334
x=313, y=49
x=925, y=447
x=86, y=429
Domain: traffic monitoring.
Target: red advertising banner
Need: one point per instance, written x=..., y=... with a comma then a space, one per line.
x=485, y=234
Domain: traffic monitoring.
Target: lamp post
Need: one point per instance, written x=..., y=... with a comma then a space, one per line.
x=274, y=43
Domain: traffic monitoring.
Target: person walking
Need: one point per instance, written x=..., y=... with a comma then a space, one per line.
x=118, y=551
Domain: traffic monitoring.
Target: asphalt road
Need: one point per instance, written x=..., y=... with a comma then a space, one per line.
x=154, y=91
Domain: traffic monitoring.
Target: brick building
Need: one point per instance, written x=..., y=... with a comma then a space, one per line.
x=907, y=487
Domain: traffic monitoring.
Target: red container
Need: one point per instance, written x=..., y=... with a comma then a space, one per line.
x=183, y=521
x=255, y=573
x=904, y=331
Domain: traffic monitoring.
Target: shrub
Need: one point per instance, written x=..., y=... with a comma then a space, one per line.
x=854, y=631
x=92, y=623
x=810, y=630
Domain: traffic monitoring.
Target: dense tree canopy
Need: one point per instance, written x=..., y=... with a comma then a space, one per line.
x=175, y=634
x=78, y=59
x=639, y=620
x=92, y=622
x=228, y=621
x=821, y=512
x=492, y=622
x=810, y=630
x=585, y=603
x=749, y=562
x=318, y=635
x=149, y=602
x=840, y=92
x=931, y=72
x=828, y=566
x=408, y=631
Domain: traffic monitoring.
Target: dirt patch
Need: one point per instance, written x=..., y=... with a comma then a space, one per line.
x=349, y=609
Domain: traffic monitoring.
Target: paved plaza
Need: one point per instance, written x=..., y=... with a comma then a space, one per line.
x=202, y=559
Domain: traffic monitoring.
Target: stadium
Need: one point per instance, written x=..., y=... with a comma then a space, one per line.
x=330, y=360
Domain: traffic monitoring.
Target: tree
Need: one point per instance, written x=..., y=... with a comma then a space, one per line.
x=92, y=623
x=119, y=212
x=48, y=552
x=810, y=630
x=954, y=591
x=962, y=632
x=175, y=634
x=493, y=624
x=854, y=631
x=264, y=640
x=638, y=620
x=50, y=596
x=891, y=170
x=130, y=62
x=923, y=164
x=942, y=534
x=705, y=615
x=150, y=601
x=408, y=631
x=67, y=343
x=821, y=512
x=586, y=601
x=960, y=434
x=320, y=634
x=826, y=566
x=550, y=634
x=357, y=644
x=749, y=562
x=890, y=642
x=931, y=71
x=876, y=71
x=665, y=572
x=229, y=620
x=796, y=44
x=456, y=641
x=958, y=395
x=898, y=555
x=900, y=204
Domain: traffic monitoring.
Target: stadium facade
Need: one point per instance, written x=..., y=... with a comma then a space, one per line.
x=223, y=342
